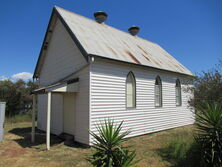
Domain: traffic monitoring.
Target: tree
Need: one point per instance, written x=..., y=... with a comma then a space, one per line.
x=208, y=87
x=16, y=95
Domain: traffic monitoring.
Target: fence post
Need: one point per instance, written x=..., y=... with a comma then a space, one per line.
x=2, y=120
x=33, y=118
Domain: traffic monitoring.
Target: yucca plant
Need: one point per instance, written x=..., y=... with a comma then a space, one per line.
x=125, y=158
x=209, y=134
x=109, y=151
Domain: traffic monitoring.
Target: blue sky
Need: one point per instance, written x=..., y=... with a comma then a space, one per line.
x=190, y=30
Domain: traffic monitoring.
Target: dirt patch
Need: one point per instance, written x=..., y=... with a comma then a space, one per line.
x=13, y=152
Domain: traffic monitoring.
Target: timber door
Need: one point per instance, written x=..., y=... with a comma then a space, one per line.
x=69, y=113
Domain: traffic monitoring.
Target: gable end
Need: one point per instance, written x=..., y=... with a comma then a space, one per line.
x=54, y=16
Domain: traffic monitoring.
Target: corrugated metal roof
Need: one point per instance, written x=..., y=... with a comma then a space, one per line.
x=106, y=41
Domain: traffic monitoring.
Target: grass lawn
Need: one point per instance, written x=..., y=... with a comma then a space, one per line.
x=16, y=149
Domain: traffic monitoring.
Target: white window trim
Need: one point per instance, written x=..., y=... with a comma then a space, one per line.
x=178, y=93
x=158, y=103
x=133, y=106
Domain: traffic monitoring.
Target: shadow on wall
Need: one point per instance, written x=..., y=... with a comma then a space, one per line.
x=40, y=138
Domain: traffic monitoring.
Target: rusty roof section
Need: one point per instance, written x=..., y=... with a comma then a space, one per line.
x=109, y=42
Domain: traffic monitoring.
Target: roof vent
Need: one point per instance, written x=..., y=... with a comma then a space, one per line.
x=100, y=16
x=134, y=30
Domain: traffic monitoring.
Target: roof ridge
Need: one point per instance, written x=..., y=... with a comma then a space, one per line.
x=155, y=57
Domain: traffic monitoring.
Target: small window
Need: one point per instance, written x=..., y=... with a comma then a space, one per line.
x=158, y=92
x=178, y=93
x=130, y=91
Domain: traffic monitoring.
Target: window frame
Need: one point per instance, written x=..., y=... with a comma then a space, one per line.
x=160, y=95
x=178, y=88
x=134, y=90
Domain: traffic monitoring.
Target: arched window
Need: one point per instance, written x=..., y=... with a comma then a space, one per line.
x=130, y=91
x=158, y=92
x=178, y=93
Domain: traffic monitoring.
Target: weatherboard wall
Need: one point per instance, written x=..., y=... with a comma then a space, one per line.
x=56, y=113
x=108, y=98
x=62, y=57
x=81, y=111
x=82, y=107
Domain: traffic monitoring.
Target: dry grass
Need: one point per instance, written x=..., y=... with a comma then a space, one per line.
x=16, y=149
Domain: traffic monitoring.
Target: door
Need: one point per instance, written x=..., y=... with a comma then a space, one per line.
x=69, y=113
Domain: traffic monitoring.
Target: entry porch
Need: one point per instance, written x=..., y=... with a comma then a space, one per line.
x=67, y=92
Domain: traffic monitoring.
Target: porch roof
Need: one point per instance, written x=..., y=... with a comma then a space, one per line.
x=71, y=85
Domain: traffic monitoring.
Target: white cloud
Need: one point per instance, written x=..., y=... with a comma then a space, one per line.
x=22, y=75
x=2, y=78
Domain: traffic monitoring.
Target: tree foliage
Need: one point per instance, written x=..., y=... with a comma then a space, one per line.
x=208, y=87
x=16, y=95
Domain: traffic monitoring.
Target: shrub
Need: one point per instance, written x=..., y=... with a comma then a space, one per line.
x=109, y=151
x=209, y=134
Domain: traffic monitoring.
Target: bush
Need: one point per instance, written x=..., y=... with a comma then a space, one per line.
x=109, y=151
x=207, y=87
x=209, y=134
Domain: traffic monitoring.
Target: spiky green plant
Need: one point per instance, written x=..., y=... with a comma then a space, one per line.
x=209, y=134
x=125, y=158
x=109, y=151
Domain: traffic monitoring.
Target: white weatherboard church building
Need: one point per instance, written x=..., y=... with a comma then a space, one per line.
x=88, y=71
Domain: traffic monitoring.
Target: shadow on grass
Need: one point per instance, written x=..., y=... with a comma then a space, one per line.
x=181, y=155
x=40, y=138
x=173, y=161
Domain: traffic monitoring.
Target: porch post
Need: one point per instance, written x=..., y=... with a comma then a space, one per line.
x=33, y=118
x=48, y=120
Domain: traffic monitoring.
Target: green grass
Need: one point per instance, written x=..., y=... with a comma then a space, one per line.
x=17, y=150
x=176, y=150
x=19, y=118
x=154, y=148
